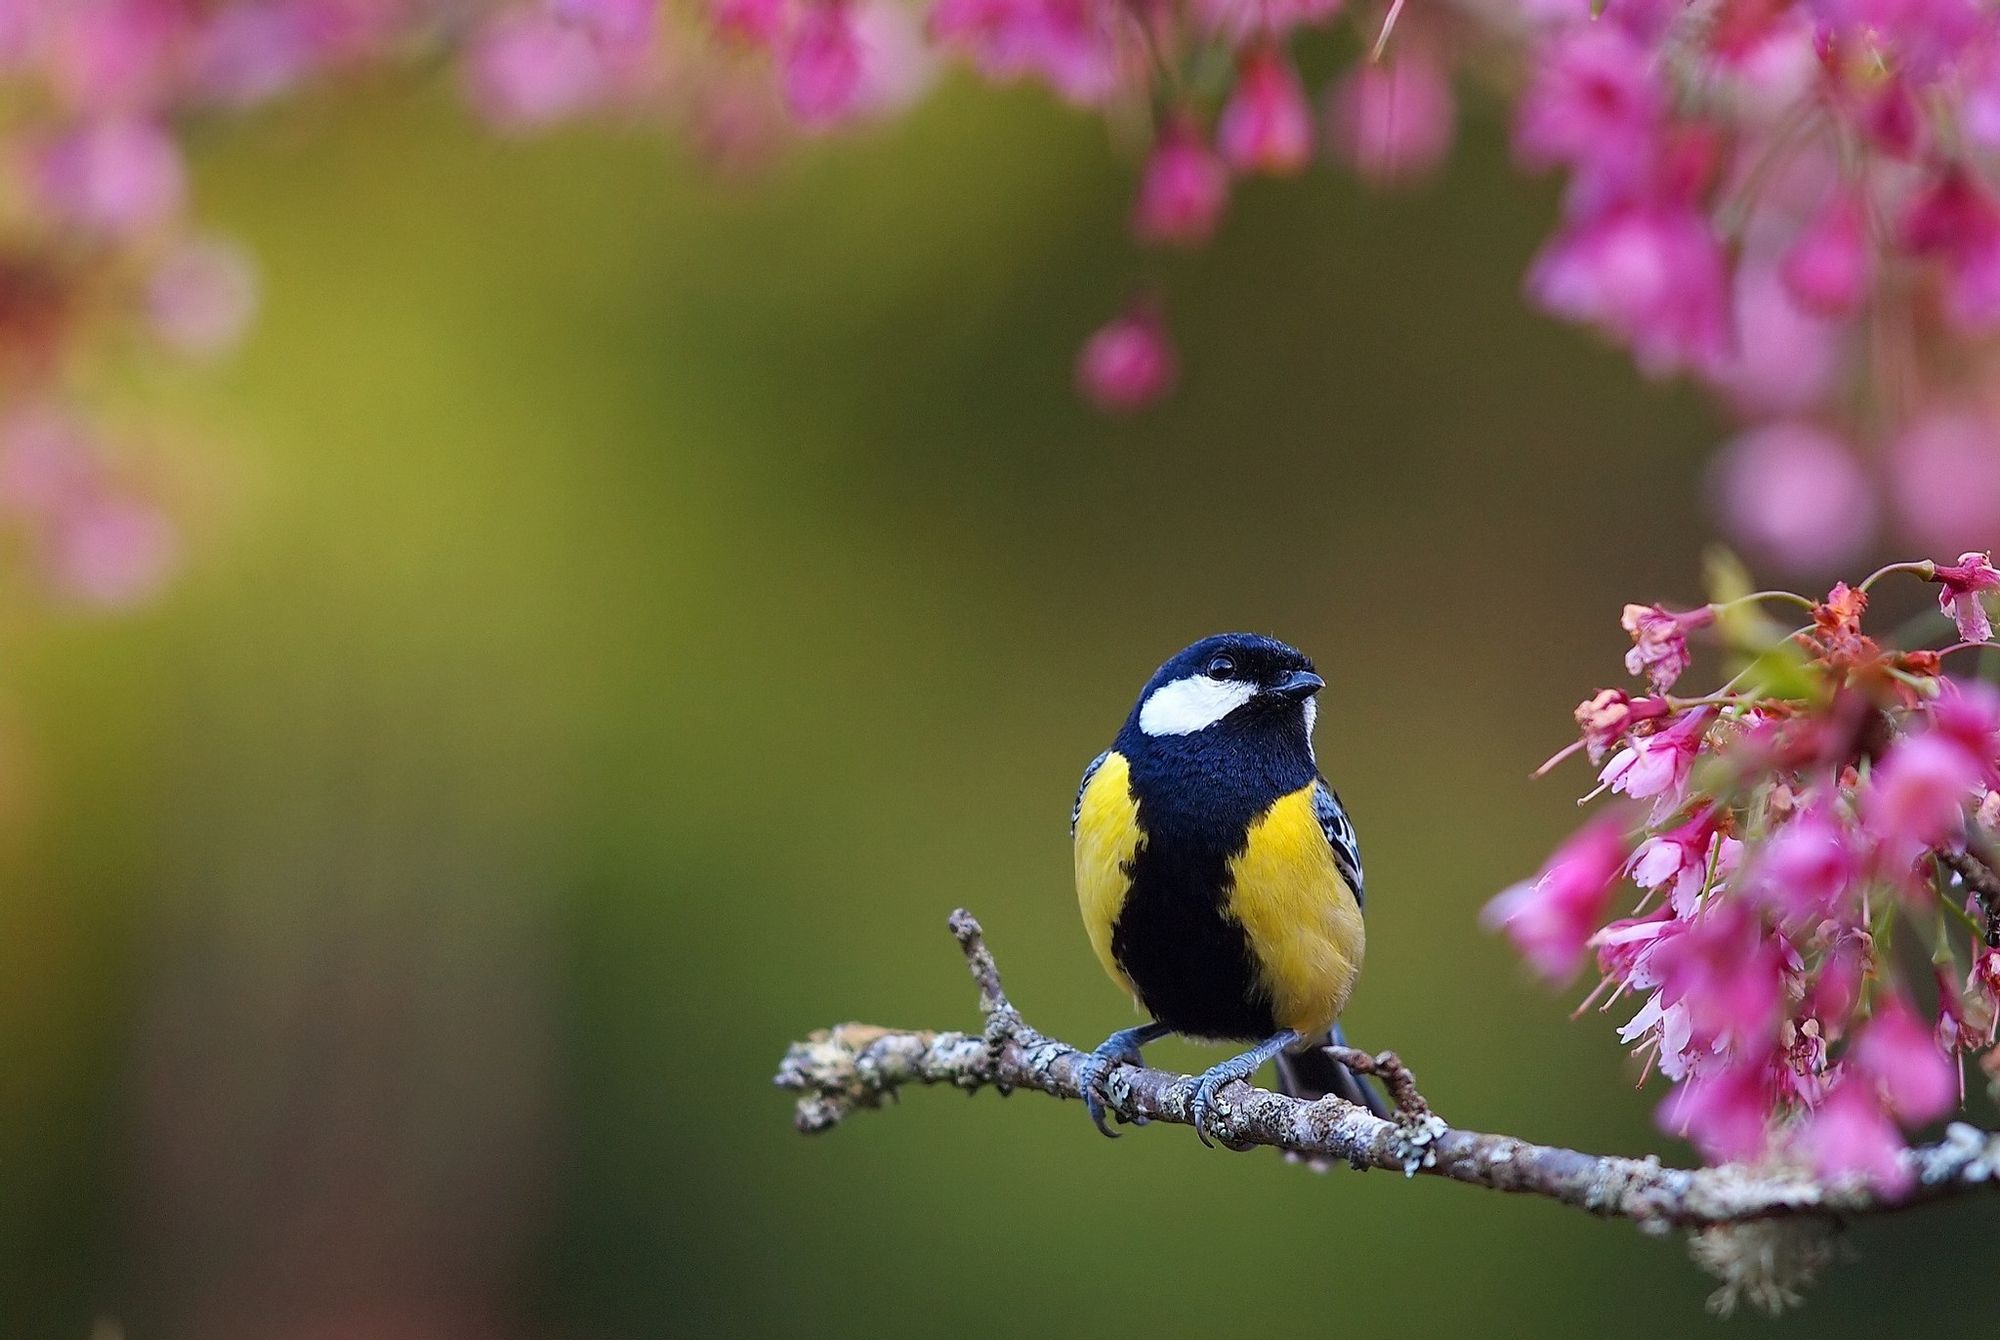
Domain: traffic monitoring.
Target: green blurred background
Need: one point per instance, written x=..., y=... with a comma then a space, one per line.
x=628, y=610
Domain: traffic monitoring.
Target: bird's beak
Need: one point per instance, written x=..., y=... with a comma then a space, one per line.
x=1297, y=686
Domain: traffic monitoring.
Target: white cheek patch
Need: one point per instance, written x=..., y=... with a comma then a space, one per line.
x=1312, y=716
x=1195, y=703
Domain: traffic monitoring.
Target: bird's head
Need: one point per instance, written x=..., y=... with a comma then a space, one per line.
x=1233, y=681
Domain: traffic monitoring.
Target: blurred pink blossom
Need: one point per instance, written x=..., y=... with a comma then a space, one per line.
x=1850, y=1135
x=1550, y=918
x=1128, y=363
x=1183, y=189
x=1898, y=1053
x=201, y=297
x=1795, y=496
x=528, y=69
x=1830, y=266
x=1266, y=125
x=1724, y=1113
x=1945, y=480
x=1392, y=121
x=111, y=176
x=1915, y=797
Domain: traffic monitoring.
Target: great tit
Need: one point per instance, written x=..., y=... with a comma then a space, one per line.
x=1218, y=873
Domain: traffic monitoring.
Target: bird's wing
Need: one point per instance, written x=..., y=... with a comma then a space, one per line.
x=1339, y=830
x=1076, y=810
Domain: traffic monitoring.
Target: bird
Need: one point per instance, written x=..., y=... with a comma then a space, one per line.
x=1219, y=876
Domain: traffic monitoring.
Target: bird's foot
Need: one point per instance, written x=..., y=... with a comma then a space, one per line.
x=1121, y=1048
x=1204, y=1110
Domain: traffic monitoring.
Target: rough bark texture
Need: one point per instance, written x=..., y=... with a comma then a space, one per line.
x=850, y=1066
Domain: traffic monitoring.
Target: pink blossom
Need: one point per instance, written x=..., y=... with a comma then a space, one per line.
x=1659, y=641
x=1962, y=582
x=1898, y=1054
x=755, y=23
x=1605, y=717
x=1656, y=766
x=1729, y=973
x=1850, y=1135
x=1945, y=476
x=1266, y=125
x=1593, y=102
x=1072, y=44
x=1967, y=712
x=1651, y=275
x=201, y=297
x=249, y=53
x=1183, y=190
x=1984, y=982
x=1550, y=917
x=1956, y=221
x=1678, y=860
x=119, y=176
x=1916, y=796
x=1784, y=357
x=1808, y=867
x=1725, y=1113
x=1831, y=265
x=1392, y=121
x=1794, y=495
x=626, y=23
x=1836, y=987
x=529, y=70
x=822, y=65
x=110, y=551
x=1129, y=363
x=1240, y=21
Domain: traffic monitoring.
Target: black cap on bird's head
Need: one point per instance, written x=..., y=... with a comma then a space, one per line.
x=1233, y=678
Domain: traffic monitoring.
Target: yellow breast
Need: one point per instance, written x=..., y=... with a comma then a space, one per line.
x=1107, y=837
x=1302, y=920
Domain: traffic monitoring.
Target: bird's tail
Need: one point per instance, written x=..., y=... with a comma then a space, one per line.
x=1312, y=1074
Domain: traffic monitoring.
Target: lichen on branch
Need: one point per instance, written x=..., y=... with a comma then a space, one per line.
x=840, y=1070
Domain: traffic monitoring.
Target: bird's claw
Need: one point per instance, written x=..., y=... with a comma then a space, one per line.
x=1090, y=1074
x=1202, y=1110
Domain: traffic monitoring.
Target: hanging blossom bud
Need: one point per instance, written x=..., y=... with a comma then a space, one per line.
x=1962, y=582
x=1830, y=267
x=1659, y=641
x=1850, y=1135
x=1605, y=718
x=822, y=65
x=1899, y=1056
x=1266, y=126
x=1725, y=1114
x=1550, y=917
x=1391, y=121
x=1183, y=190
x=1128, y=363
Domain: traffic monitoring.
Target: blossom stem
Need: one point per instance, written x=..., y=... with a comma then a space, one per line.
x=1923, y=568
x=1793, y=597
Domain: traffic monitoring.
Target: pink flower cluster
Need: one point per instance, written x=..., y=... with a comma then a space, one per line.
x=1783, y=836
x=1795, y=204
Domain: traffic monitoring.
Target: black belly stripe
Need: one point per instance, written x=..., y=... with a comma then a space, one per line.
x=1192, y=965
x=1198, y=796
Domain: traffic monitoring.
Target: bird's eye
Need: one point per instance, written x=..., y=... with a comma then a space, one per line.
x=1220, y=667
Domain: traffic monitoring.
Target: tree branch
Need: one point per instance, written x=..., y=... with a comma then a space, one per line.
x=851, y=1066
